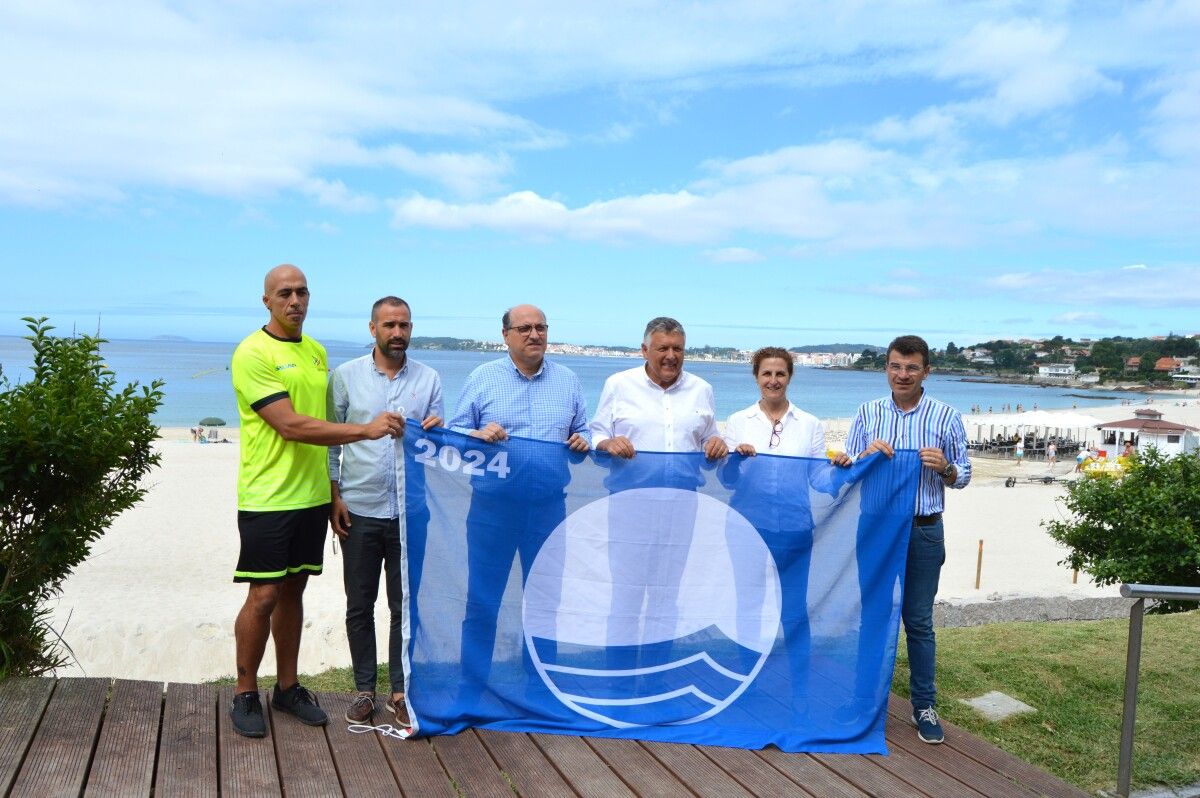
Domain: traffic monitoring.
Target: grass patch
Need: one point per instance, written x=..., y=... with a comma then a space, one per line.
x=1074, y=674
x=334, y=680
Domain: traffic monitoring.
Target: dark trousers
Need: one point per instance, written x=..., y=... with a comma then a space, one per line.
x=374, y=542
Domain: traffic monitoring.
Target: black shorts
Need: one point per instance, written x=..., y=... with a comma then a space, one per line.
x=282, y=542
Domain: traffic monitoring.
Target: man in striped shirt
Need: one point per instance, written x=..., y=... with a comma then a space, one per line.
x=910, y=419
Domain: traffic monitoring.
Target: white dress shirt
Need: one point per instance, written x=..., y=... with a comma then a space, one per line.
x=802, y=434
x=679, y=418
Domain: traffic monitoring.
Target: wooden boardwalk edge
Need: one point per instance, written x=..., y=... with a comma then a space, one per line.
x=102, y=737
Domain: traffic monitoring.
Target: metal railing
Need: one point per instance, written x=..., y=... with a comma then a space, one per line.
x=1133, y=661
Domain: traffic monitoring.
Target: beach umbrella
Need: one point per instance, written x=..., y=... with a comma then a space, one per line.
x=1075, y=420
x=212, y=421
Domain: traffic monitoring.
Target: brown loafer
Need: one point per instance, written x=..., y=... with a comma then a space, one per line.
x=399, y=709
x=361, y=709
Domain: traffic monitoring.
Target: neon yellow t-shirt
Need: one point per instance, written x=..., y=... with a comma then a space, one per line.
x=275, y=474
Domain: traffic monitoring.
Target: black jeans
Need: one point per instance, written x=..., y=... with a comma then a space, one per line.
x=373, y=542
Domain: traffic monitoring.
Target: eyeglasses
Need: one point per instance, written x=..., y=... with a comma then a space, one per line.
x=910, y=369
x=775, y=431
x=526, y=329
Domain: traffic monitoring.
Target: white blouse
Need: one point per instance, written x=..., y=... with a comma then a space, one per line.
x=802, y=434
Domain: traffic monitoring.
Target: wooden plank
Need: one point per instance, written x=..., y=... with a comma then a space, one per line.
x=638, y=767
x=752, y=772
x=361, y=765
x=187, y=752
x=921, y=775
x=861, y=771
x=22, y=702
x=583, y=769
x=470, y=766
x=811, y=774
x=960, y=766
x=124, y=760
x=698, y=772
x=58, y=756
x=247, y=764
x=417, y=768
x=988, y=755
x=531, y=773
x=305, y=761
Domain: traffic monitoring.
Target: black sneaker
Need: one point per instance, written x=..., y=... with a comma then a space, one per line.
x=929, y=728
x=301, y=702
x=247, y=715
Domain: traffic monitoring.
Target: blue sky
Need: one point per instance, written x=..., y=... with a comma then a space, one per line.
x=768, y=173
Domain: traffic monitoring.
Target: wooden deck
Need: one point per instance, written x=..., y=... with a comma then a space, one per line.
x=97, y=737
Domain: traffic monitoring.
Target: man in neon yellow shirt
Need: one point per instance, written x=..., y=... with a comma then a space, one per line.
x=279, y=377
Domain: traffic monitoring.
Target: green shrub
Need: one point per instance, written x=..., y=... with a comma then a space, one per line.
x=73, y=451
x=1144, y=528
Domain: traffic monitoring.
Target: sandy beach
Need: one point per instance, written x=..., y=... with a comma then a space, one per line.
x=155, y=599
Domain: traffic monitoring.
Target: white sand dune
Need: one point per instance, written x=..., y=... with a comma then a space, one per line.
x=155, y=600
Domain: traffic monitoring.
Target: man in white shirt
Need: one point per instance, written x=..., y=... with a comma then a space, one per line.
x=655, y=407
x=658, y=406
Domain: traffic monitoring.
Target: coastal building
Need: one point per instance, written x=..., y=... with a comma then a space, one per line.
x=1147, y=428
x=1167, y=364
x=1056, y=370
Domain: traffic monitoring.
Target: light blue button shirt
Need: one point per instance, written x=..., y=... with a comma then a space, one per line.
x=366, y=470
x=548, y=406
x=930, y=423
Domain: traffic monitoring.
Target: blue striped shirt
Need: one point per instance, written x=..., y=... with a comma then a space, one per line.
x=366, y=470
x=549, y=406
x=930, y=423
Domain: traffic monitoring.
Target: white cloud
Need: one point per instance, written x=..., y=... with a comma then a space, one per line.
x=1147, y=287
x=734, y=255
x=1084, y=319
x=246, y=101
x=323, y=227
x=1029, y=66
x=848, y=196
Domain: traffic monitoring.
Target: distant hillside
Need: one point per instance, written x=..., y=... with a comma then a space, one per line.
x=848, y=349
x=454, y=344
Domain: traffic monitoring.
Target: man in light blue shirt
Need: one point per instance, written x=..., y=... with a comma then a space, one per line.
x=521, y=395
x=911, y=419
x=372, y=492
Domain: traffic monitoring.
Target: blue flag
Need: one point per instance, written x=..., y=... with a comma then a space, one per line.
x=747, y=602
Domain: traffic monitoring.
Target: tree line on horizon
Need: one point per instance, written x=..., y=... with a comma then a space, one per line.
x=1106, y=357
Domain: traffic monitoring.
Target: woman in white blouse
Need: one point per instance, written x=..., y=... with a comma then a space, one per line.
x=773, y=425
x=773, y=494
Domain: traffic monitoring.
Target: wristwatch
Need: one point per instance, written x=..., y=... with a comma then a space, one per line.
x=949, y=471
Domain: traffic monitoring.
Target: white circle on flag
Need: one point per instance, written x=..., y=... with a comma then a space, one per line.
x=651, y=606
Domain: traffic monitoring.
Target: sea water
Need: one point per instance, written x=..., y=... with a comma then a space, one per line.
x=197, y=380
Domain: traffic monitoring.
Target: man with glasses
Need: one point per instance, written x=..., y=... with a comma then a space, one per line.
x=521, y=395
x=910, y=419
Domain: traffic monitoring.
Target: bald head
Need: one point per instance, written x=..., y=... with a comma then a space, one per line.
x=285, y=295
x=506, y=320
x=284, y=271
x=526, y=342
